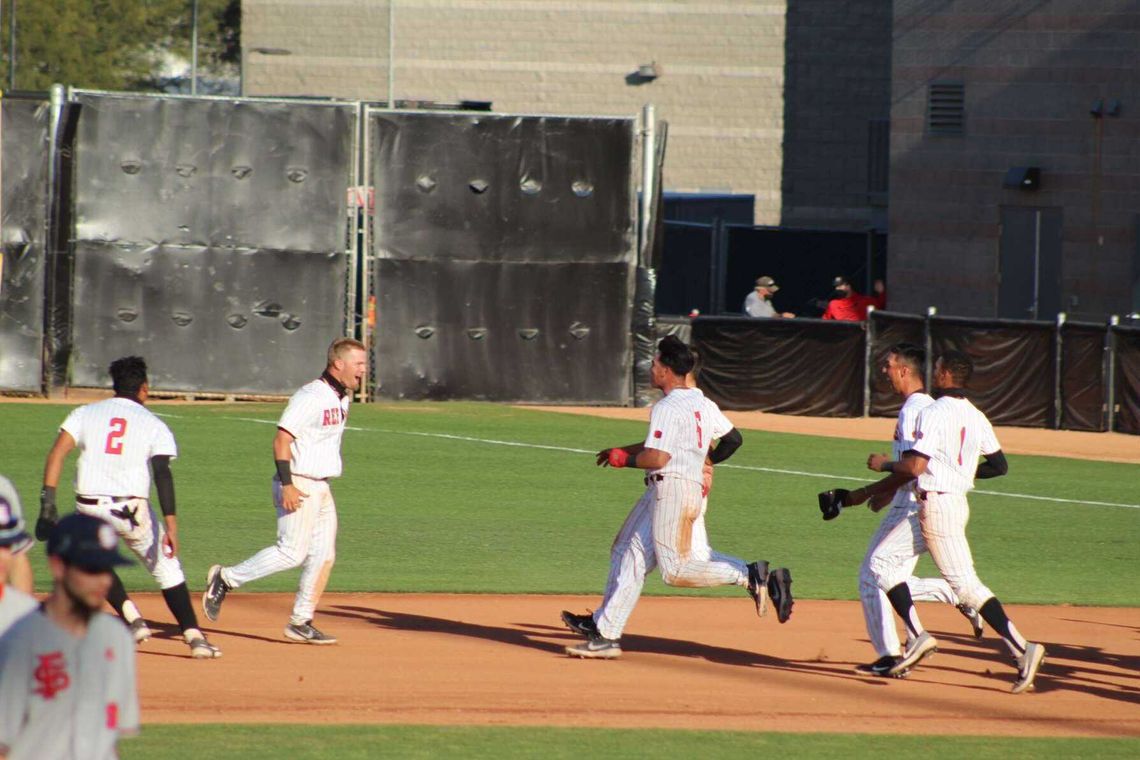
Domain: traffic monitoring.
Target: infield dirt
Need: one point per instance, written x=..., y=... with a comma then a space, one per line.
x=688, y=663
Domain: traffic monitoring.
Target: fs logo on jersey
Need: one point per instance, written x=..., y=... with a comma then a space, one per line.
x=333, y=416
x=51, y=675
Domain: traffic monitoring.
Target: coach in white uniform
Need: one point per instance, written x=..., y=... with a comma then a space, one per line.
x=952, y=434
x=14, y=603
x=665, y=527
x=306, y=450
x=120, y=441
x=67, y=670
x=895, y=547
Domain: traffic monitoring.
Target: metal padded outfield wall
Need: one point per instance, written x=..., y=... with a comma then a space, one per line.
x=211, y=236
x=24, y=125
x=503, y=256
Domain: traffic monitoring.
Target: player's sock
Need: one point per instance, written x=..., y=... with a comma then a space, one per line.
x=190, y=634
x=900, y=599
x=178, y=601
x=994, y=614
x=120, y=602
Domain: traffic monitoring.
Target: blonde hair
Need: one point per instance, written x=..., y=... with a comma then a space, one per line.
x=341, y=346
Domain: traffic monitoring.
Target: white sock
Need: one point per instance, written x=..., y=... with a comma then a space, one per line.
x=130, y=612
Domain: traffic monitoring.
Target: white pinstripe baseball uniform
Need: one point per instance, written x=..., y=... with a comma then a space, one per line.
x=116, y=439
x=952, y=433
x=895, y=547
x=666, y=525
x=315, y=416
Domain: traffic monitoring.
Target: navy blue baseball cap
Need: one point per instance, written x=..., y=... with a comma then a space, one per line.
x=86, y=541
x=12, y=528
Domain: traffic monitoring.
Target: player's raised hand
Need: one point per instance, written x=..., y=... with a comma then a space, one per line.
x=875, y=462
x=291, y=497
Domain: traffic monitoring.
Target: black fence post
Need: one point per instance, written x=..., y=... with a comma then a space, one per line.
x=928, y=345
x=1110, y=372
x=1058, y=358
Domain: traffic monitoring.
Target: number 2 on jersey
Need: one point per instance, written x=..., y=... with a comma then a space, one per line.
x=115, y=436
x=700, y=439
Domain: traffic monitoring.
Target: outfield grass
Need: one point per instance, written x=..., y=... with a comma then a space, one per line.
x=348, y=742
x=420, y=512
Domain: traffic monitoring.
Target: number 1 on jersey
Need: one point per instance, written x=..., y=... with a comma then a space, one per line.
x=961, y=445
x=114, y=437
x=700, y=439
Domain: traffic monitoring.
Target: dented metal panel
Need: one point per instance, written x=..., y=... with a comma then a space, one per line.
x=24, y=134
x=505, y=256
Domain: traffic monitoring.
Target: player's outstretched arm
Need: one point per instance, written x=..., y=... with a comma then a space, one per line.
x=632, y=450
x=49, y=515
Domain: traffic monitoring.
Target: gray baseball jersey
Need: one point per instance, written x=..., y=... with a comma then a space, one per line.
x=66, y=697
x=14, y=604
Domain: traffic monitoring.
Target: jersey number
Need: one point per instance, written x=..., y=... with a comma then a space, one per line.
x=700, y=438
x=115, y=436
x=961, y=444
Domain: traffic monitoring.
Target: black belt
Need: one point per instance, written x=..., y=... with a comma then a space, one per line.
x=649, y=478
x=923, y=494
x=92, y=501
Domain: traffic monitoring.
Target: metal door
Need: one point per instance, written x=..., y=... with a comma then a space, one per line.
x=1029, y=284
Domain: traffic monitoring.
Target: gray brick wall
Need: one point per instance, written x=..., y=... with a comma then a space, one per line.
x=721, y=88
x=1031, y=72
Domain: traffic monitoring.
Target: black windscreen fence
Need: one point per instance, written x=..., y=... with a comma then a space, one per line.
x=504, y=256
x=796, y=366
x=1014, y=374
x=210, y=238
x=1128, y=379
x=1082, y=377
x=23, y=256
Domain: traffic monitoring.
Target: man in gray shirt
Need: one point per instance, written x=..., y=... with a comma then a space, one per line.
x=67, y=670
x=759, y=301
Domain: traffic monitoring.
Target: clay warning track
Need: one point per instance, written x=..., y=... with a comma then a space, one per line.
x=688, y=663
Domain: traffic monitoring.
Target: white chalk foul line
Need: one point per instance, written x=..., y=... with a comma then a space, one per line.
x=774, y=470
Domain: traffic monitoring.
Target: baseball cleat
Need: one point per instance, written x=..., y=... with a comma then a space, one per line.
x=596, y=648
x=780, y=591
x=215, y=593
x=916, y=651
x=975, y=619
x=200, y=649
x=306, y=633
x=583, y=625
x=1028, y=665
x=139, y=630
x=758, y=585
x=881, y=667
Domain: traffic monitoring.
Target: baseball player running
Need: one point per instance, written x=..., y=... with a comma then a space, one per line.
x=666, y=526
x=950, y=436
x=896, y=546
x=117, y=440
x=67, y=671
x=306, y=450
x=14, y=602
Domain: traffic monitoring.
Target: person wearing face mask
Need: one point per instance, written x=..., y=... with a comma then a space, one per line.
x=848, y=304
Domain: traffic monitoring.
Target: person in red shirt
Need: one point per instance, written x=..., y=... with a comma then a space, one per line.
x=850, y=304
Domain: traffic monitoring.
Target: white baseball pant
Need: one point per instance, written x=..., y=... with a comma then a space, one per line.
x=143, y=534
x=634, y=555
x=305, y=537
x=891, y=557
x=943, y=517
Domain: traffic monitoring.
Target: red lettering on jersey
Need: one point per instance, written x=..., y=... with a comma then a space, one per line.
x=112, y=715
x=700, y=439
x=51, y=675
x=961, y=445
x=114, y=437
x=656, y=433
x=332, y=417
x=109, y=655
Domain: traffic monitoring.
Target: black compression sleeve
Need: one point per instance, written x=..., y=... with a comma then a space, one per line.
x=283, y=472
x=164, y=484
x=994, y=466
x=727, y=446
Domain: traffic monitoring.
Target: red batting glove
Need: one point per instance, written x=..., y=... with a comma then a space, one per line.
x=618, y=457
